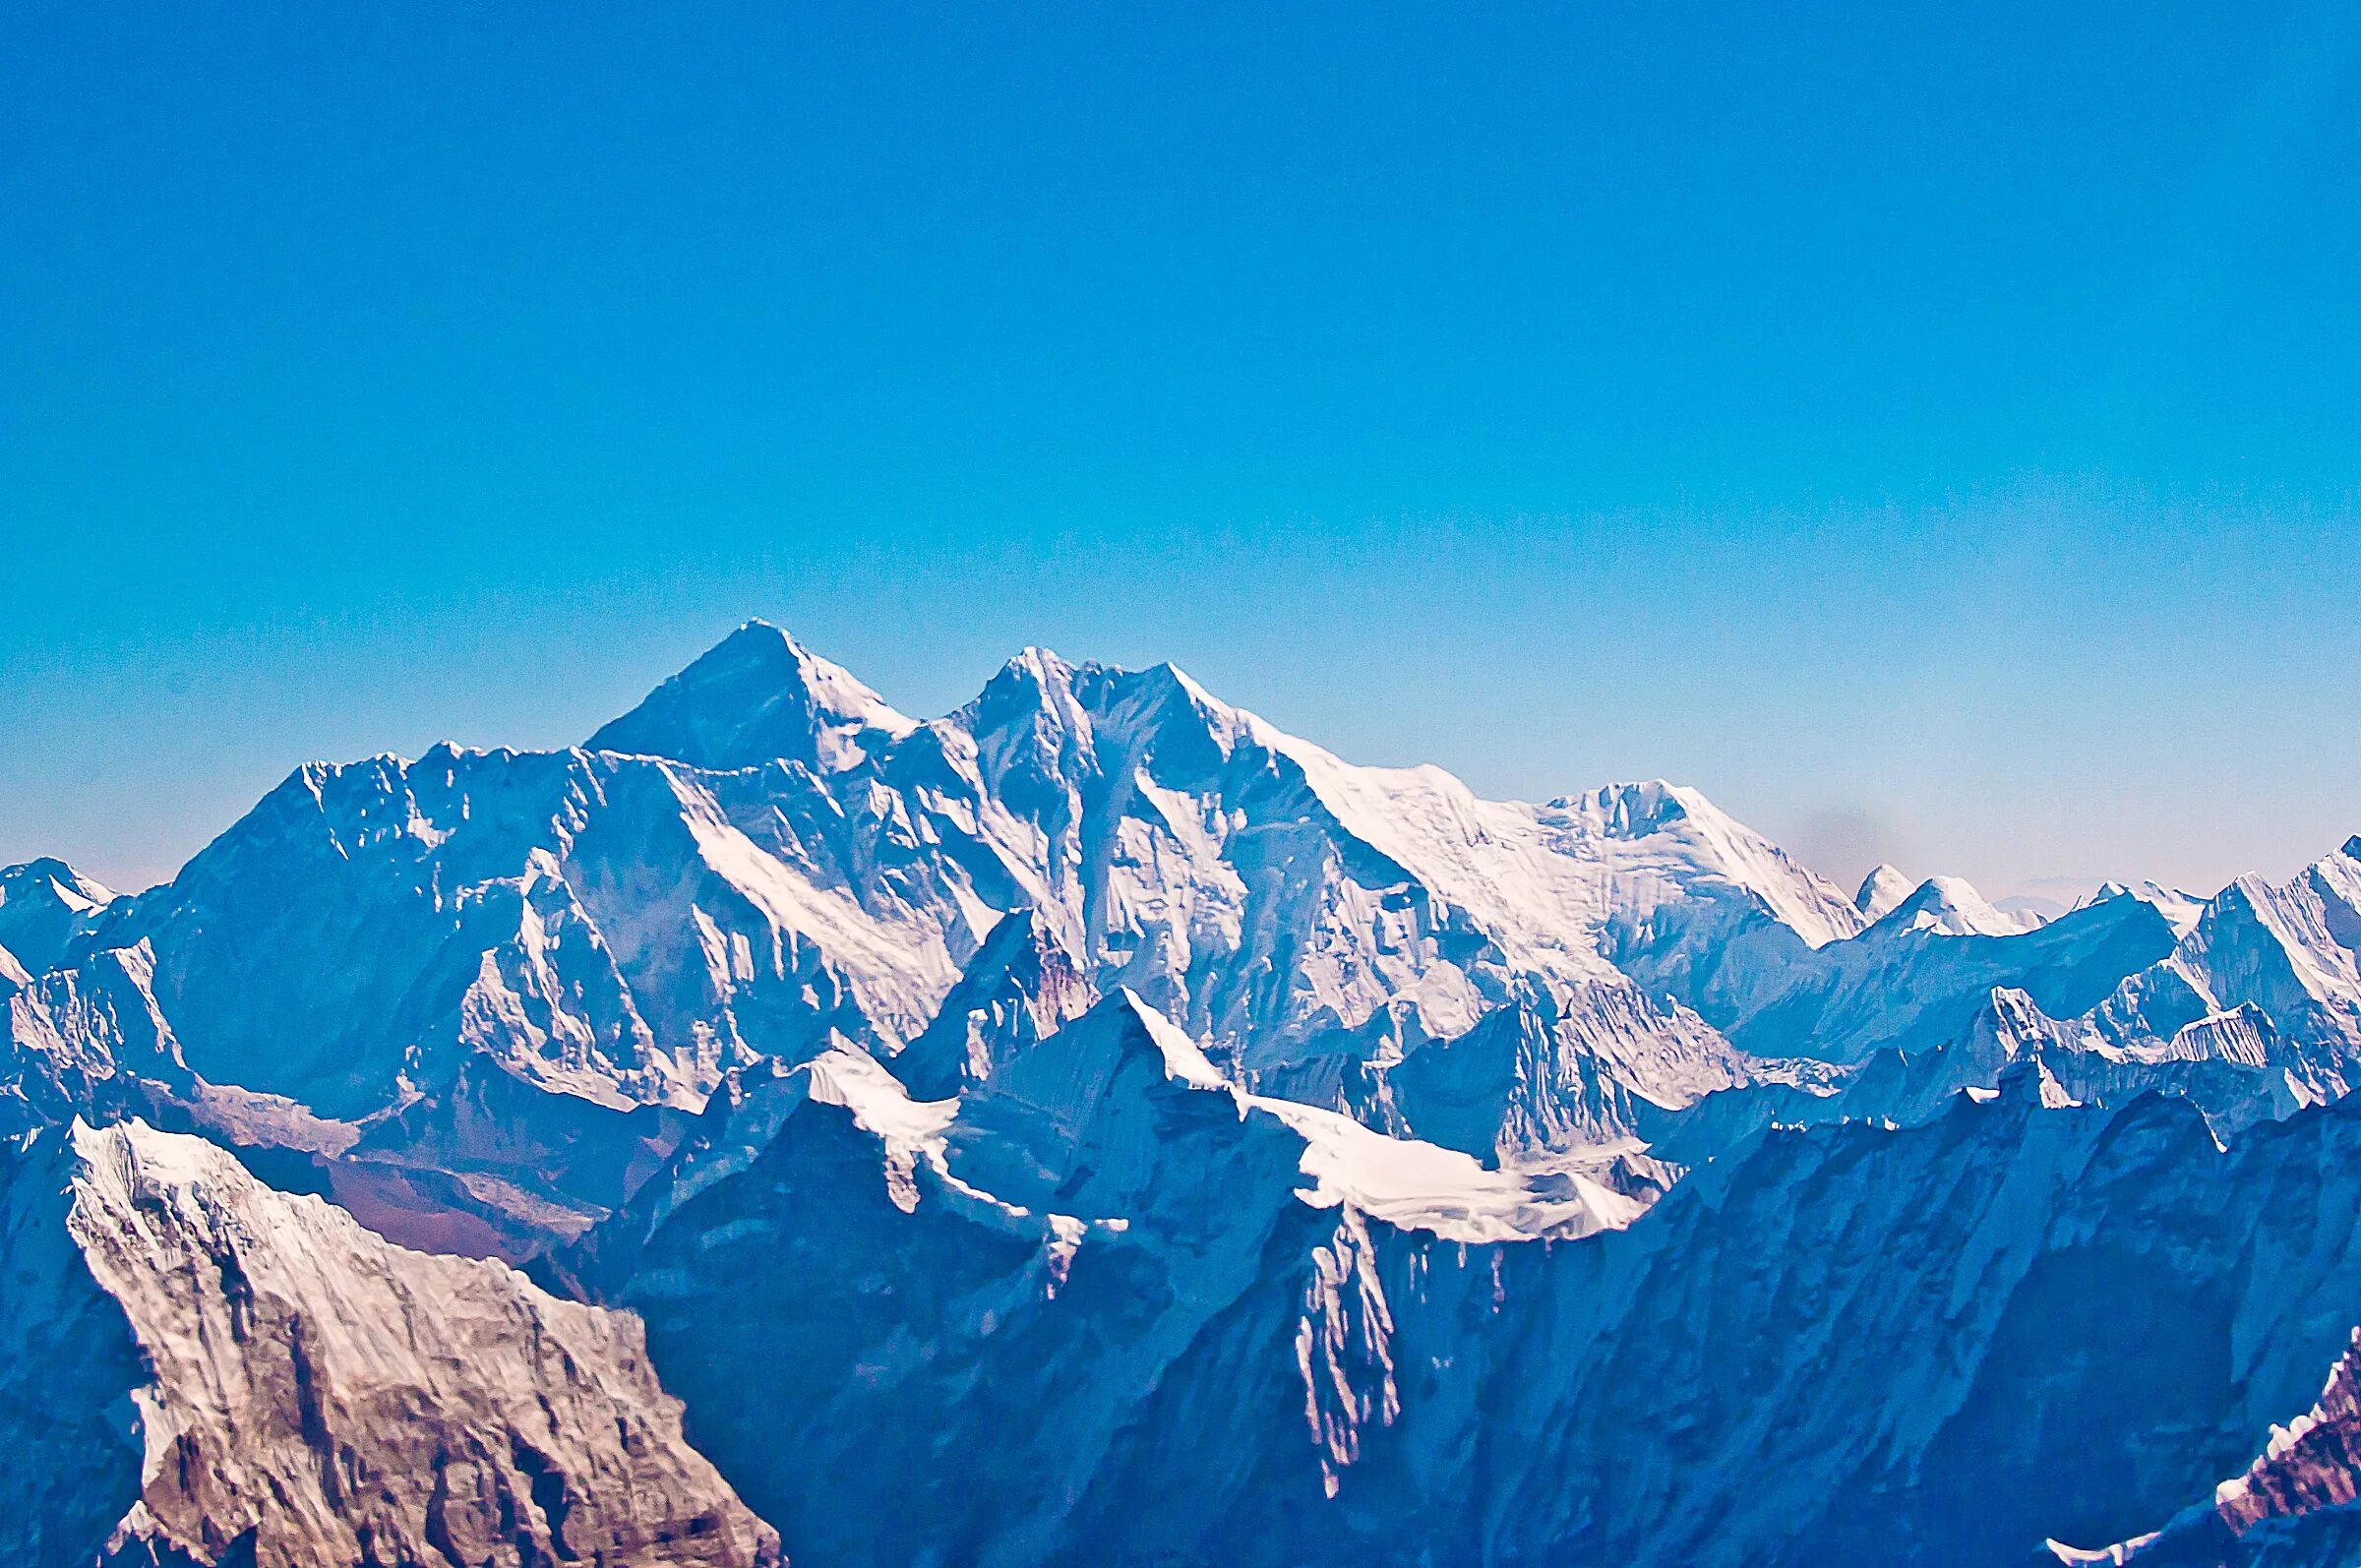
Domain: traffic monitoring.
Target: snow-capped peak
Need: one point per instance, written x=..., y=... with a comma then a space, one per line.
x=43, y=903
x=1677, y=823
x=1035, y=685
x=1882, y=891
x=1952, y=906
x=1034, y=665
x=1641, y=807
x=2181, y=910
x=63, y=883
x=1184, y=1060
x=1067, y=1075
x=756, y=697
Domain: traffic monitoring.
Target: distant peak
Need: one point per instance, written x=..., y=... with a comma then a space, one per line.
x=1033, y=688
x=762, y=644
x=40, y=866
x=1946, y=892
x=756, y=697
x=2352, y=848
x=48, y=876
x=1636, y=807
x=45, y=904
x=1033, y=667
x=1167, y=672
x=1881, y=891
x=765, y=640
x=2179, y=909
x=1952, y=906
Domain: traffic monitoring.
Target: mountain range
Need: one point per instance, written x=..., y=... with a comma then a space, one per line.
x=1097, y=1126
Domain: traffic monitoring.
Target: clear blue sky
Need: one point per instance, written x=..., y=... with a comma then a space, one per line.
x=1933, y=430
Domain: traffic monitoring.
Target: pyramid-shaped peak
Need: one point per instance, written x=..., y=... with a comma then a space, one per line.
x=1029, y=676
x=756, y=697
x=761, y=646
x=46, y=877
x=43, y=904
x=1022, y=984
x=1171, y=683
x=1185, y=1061
x=1068, y=1074
x=1173, y=689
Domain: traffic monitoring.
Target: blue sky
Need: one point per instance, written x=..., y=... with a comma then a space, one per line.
x=1931, y=431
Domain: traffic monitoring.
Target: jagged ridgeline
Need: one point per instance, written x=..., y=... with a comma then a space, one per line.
x=1096, y=1126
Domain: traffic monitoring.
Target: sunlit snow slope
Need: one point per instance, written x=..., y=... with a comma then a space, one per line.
x=1094, y=1126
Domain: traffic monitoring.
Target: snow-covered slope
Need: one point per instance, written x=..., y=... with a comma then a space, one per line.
x=1881, y=890
x=387, y=943
x=204, y=1370
x=2247, y=1003
x=1021, y=986
x=483, y=992
x=2291, y=953
x=1952, y=906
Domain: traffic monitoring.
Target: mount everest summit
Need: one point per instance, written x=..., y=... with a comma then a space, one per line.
x=1096, y=1126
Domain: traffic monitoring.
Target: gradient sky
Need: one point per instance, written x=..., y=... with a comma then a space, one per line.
x=1932, y=431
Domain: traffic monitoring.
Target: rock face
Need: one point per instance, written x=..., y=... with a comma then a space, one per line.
x=224, y=1373
x=2294, y=1506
